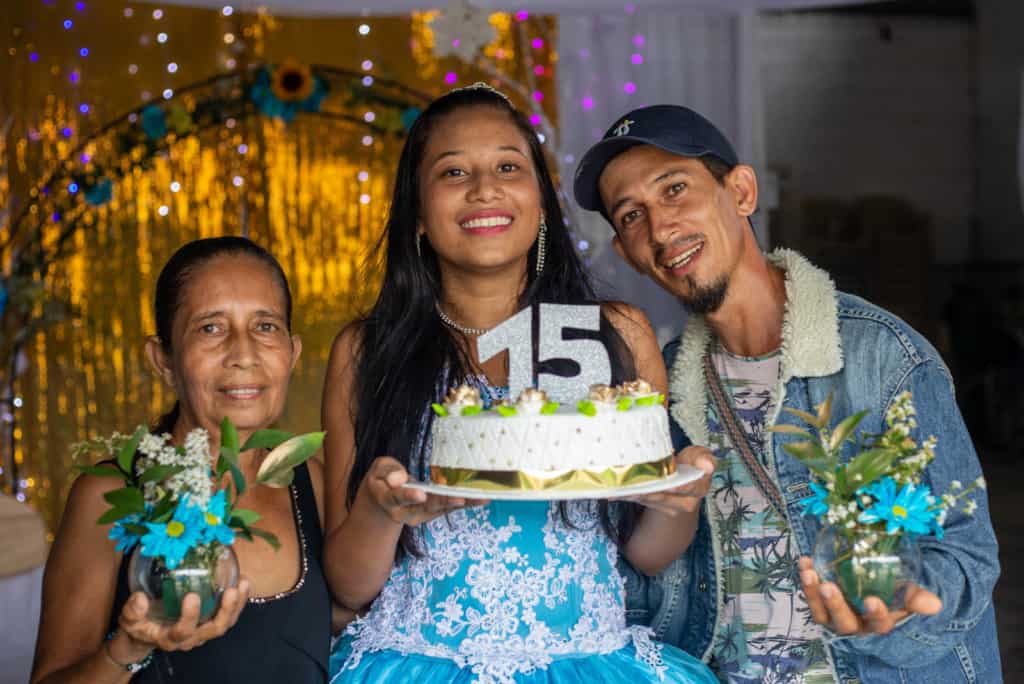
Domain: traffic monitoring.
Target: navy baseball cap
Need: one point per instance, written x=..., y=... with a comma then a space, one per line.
x=673, y=128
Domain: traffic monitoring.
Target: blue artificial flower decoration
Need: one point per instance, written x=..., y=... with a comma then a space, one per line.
x=100, y=192
x=3, y=298
x=815, y=504
x=906, y=510
x=286, y=90
x=409, y=117
x=216, y=530
x=172, y=540
x=125, y=538
x=154, y=123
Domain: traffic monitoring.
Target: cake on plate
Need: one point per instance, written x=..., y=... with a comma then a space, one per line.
x=613, y=437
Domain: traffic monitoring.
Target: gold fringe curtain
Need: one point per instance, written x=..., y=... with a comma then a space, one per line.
x=300, y=197
x=314, y=193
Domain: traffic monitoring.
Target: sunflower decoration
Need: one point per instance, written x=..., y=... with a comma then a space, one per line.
x=282, y=92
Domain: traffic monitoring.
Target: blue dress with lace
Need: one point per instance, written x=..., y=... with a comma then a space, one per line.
x=508, y=593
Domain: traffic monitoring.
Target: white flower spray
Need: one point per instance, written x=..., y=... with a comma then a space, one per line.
x=195, y=457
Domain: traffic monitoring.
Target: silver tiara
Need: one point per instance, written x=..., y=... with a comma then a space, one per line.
x=480, y=85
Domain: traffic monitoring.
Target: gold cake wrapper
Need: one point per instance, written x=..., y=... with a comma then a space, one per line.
x=568, y=479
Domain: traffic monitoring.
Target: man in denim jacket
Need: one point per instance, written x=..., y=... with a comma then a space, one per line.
x=679, y=201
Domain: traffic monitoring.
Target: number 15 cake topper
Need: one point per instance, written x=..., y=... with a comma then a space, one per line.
x=516, y=336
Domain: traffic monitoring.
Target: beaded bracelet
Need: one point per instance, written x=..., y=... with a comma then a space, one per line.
x=127, y=667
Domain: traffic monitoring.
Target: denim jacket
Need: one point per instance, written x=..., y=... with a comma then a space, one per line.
x=836, y=343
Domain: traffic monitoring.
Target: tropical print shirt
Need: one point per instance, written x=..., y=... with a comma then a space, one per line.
x=766, y=634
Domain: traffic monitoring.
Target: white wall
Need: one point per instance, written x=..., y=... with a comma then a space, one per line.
x=705, y=59
x=847, y=113
x=1000, y=127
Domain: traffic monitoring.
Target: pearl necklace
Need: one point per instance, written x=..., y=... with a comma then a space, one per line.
x=475, y=332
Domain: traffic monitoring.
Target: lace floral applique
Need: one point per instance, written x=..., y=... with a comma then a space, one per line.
x=647, y=649
x=500, y=614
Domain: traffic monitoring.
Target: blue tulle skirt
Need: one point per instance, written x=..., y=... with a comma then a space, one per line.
x=620, y=667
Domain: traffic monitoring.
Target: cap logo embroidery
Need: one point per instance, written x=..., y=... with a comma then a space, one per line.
x=623, y=128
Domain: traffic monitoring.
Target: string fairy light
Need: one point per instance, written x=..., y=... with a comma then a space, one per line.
x=244, y=172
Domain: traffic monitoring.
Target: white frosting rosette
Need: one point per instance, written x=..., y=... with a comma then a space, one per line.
x=637, y=389
x=531, y=401
x=603, y=397
x=461, y=397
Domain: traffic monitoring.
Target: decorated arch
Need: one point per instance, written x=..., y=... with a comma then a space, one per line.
x=299, y=158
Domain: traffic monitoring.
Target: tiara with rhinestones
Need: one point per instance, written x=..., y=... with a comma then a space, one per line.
x=480, y=85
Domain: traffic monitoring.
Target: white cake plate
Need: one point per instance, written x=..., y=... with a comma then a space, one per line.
x=684, y=475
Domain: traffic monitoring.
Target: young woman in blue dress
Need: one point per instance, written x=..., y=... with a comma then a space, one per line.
x=472, y=591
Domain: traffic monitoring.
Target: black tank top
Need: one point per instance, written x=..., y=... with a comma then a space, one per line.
x=283, y=638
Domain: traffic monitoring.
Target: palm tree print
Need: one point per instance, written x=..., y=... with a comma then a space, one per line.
x=765, y=633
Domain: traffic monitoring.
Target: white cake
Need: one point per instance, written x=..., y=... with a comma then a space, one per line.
x=613, y=437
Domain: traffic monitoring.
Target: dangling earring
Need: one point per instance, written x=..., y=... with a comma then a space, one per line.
x=541, y=242
x=419, y=250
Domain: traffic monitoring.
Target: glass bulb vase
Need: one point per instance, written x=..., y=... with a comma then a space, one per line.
x=867, y=562
x=206, y=571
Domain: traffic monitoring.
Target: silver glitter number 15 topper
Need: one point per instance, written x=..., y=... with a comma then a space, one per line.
x=515, y=336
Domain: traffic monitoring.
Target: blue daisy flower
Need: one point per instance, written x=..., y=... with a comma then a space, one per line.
x=816, y=504
x=126, y=539
x=173, y=539
x=906, y=510
x=99, y=193
x=409, y=116
x=216, y=530
x=154, y=123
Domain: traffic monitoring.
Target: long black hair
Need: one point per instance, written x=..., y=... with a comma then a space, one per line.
x=408, y=357
x=175, y=276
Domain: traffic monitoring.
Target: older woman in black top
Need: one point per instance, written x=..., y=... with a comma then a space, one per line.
x=223, y=343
